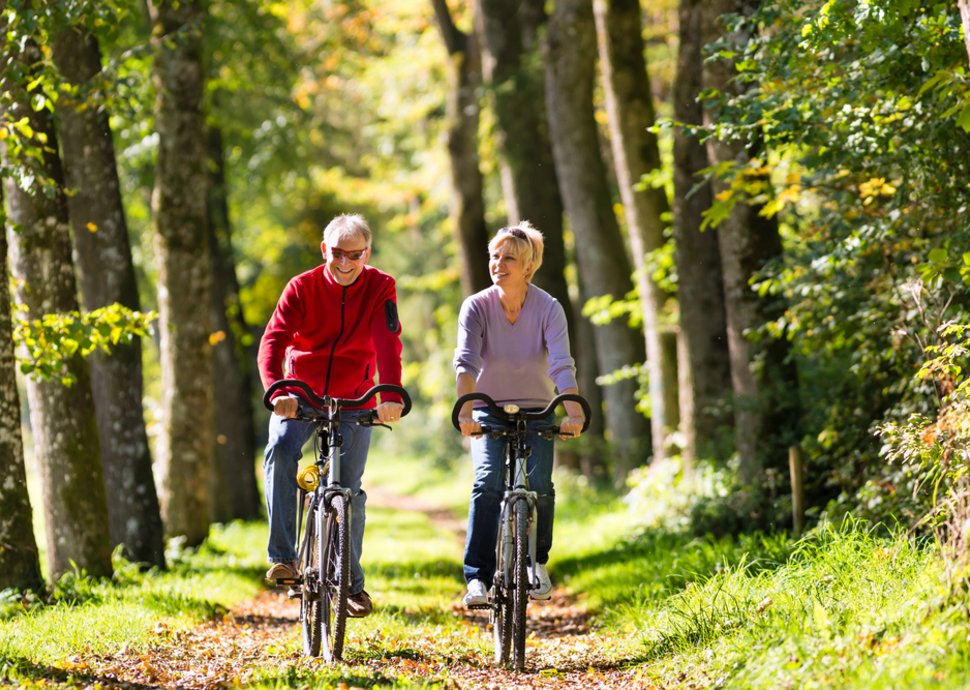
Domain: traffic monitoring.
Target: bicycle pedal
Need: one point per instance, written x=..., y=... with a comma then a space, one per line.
x=288, y=582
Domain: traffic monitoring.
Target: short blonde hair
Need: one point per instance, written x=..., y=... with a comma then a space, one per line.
x=526, y=243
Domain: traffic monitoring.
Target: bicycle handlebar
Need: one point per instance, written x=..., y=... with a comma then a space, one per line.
x=496, y=409
x=322, y=403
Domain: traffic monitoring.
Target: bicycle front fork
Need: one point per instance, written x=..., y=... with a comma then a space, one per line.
x=507, y=533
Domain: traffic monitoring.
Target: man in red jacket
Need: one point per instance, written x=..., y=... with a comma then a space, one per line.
x=334, y=327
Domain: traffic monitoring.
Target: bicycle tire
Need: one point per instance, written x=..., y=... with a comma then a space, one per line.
x=501, y=599
x=520, y=583
x=335, y=557
x=311, y=614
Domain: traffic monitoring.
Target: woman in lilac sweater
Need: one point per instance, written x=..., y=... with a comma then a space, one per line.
x=513, y=344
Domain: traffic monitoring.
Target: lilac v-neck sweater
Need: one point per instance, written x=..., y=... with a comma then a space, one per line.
x=523, y=363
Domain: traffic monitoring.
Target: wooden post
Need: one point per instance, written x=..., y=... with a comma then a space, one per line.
x=797, y=490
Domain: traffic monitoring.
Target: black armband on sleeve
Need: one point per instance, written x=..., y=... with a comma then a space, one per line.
x=390, y=313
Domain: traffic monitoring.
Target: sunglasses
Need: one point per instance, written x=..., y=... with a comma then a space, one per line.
x=340, y=254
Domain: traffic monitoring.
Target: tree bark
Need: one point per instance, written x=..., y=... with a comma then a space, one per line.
x=467, y=201
x=106, y=275
x=629, y=109
x=705, y=371
x=19, y=559
x=603, y=265
x=763, y=378
x=965, y=17
x=62, y=417
x=512, y=65
x=182, y=251
x=528, y=171
x=233, y=490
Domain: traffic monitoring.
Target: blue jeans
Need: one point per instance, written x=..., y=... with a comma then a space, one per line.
x=488, y=461
x=283, y=451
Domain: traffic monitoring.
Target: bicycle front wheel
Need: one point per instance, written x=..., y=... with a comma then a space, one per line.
x=520, y=583
x=501, y=627
x=311, y=613
x=501, y=594
x=335, y=557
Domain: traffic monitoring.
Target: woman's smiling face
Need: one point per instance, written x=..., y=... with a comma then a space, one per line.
x=505, y=268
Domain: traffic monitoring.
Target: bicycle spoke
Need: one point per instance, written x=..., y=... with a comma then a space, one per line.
x=310, y=609
x=335, y=557
x=520, y=583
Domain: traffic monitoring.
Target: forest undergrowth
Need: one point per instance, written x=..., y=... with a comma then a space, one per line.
x=639, y=603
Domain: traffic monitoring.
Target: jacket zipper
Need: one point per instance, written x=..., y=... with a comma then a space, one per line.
x=340, y=333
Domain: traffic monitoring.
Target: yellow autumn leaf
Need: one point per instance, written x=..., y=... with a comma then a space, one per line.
x=91, y=227
x=217, y=337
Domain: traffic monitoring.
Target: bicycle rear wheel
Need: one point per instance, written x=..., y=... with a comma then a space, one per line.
x=335, y=556
x=311, y=614
x=520, y=583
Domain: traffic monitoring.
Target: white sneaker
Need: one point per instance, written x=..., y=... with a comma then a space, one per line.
x=542, y=585
x=477, y=595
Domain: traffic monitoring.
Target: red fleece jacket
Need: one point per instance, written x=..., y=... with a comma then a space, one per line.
x=334, y=338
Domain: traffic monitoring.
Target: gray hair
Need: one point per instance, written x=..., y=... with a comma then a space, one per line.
x=346, y=226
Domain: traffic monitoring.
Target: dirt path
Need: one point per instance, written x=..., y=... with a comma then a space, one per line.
x=256, y=638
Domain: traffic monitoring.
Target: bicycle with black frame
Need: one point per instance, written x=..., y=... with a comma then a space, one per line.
x=515, y=548
x=324, y=546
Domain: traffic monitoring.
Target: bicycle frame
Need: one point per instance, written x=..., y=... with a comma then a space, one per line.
x=324, y=547
x=517, y=454
x=327, y=435
x=514, y=568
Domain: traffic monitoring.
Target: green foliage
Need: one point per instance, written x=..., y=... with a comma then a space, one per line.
x=54, y=339
x=926, y=455
x=857, y=110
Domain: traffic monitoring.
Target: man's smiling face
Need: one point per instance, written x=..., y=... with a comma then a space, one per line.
x=346, y=260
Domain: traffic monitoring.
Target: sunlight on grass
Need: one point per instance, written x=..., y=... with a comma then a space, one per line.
x=445, y=487
x=200, y=585
x=845, y=609
x=845, y=606
x=413, y=573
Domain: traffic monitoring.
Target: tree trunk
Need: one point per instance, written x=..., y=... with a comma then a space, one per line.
x=19, y=564
x=62, y=417
x=593, y=458
x=629, y=108
x=705, y=371
x=603, y=265
x=512, y=65
x=766, y=395
x=106, y=276
x=965, y=17
x=182, y=251
x=467, y=201
x=233, y=491
x=528, y=171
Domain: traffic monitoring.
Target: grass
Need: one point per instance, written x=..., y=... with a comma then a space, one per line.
x=845, y=606
x=413, y=571
x=102, y=615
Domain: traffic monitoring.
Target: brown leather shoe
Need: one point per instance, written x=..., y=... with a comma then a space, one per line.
x=284, y=571
x=359, y=605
